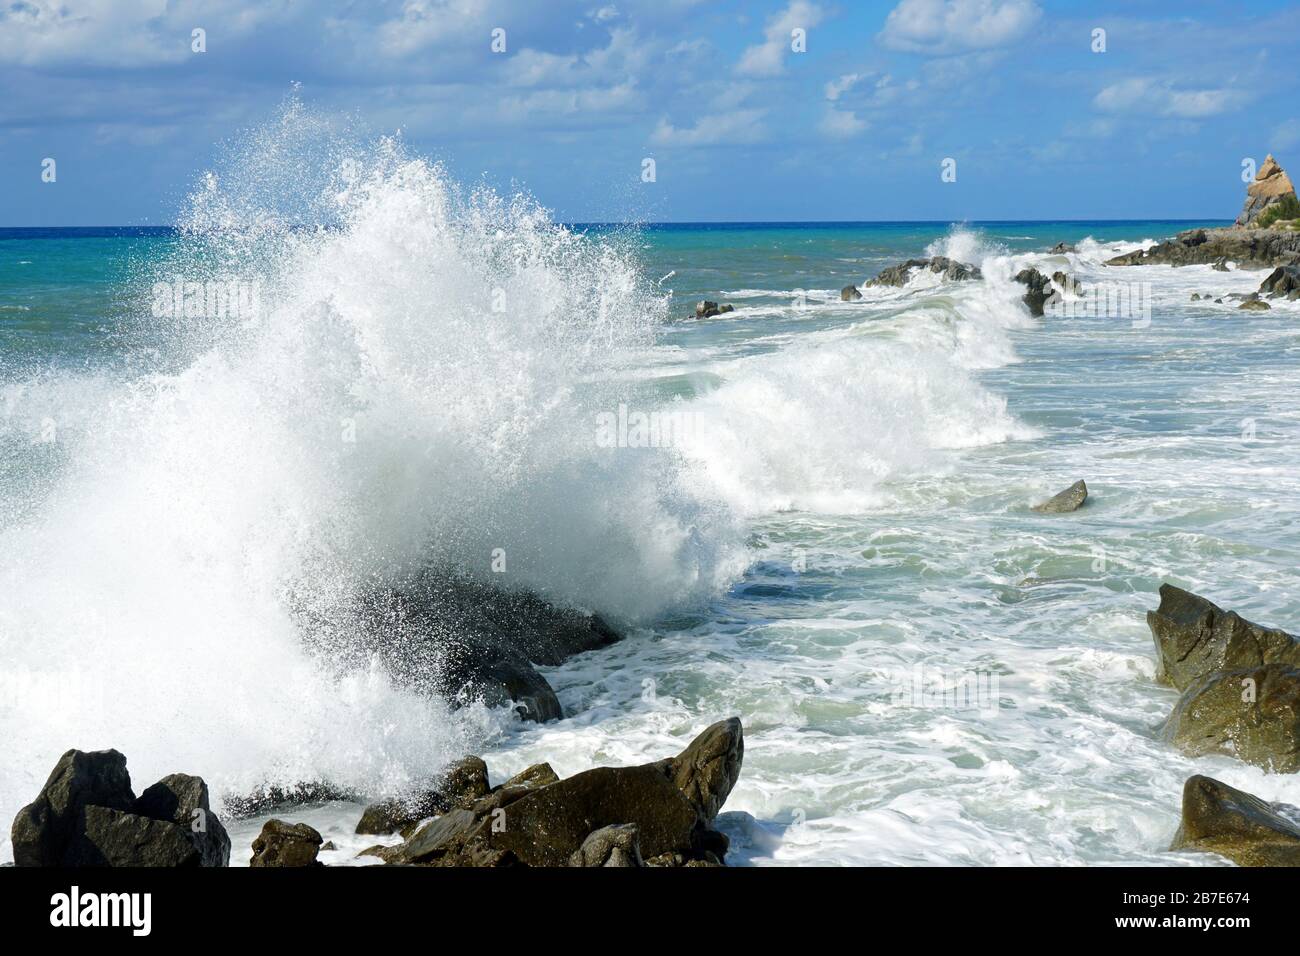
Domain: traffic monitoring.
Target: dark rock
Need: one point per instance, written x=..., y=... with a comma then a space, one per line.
x=949, y=268
x=708, y=768
x=616, y=845
x=1221, y=819
x=1038, y=286
x=1220, y=265
x=1283, y=280
x=1249, y=248
x=269, y=798
x=536, y=820
x=850, y=293
x=1061, y=248
x=463, y=784
x=1196, y=296
x=547, y=826
x=286, y=844
x=116, y=838
x=1195, y=638
x=44, y=830
x=468, y=641
x=1071, y=499
x=705, y=309
x=1250, y=713
x=183, y=800
x=723, y=309
x=1255, y=305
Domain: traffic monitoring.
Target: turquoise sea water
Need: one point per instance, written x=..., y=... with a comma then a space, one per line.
x=846, y=520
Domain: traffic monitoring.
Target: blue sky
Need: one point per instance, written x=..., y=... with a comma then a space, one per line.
x=741, y=127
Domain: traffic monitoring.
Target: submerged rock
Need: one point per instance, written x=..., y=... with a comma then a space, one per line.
x=1252, y=714
x=1255, y=305
x=87, y=815
x=286, y=844
x=950, y=269
x=1195, y=638
x=466, y=641
x=1062, y=247
x=850, y=293
x=1220, y=819
x=659, y=812
x=1039, y=288
x=707, y=309
x=1071, y=499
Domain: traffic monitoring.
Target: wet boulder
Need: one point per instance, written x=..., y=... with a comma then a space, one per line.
x=463, y=783
x=1038, y=287
x=283, y=844
x=850, y=293
x=44, y=830
x=87, y=815
x=950, y=269
x=1252, y=714
x=1221, y=819
x=1071, y=499
x=1195, y=638
x=617, y=845
x=1281, y=281
x=708, y=768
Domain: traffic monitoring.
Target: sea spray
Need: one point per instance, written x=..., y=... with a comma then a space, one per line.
x=417, y=389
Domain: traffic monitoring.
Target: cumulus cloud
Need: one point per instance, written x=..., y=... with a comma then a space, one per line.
x=740, y=126
x=1156, y=97
x=768, y=58
x=842, y=124
x=950, y=26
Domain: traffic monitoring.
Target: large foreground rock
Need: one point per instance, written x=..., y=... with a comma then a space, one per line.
x=1252, y=714
x=1196, y=638
x=1249, y=248
x=1282, y=281
x=1250, y=832
x=950, y=269
x=659, y=812
x=87, y=815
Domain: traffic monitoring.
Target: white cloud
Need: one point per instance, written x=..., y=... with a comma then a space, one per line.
x=742, y=126
x=835, y=88
x=1155, y=97
x=949, y=26
x=768, y=57
x=841, y=124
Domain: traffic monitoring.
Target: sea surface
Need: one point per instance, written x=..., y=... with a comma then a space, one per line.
x=830, y=523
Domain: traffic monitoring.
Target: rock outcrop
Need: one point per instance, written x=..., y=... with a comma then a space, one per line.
x=1252, y=714
x=707, y=310
x=463, y=783
x=87, y=815
x=1270, y=186
x=850, y=293
x=1220, y=819
x=1282, y=281
x=1249, y=248
x=1039, y=288
x=1071, y=499
x=659, y=813
x=467, y=641
x=950, y=269
x=1196, y=638
x=286, y=844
